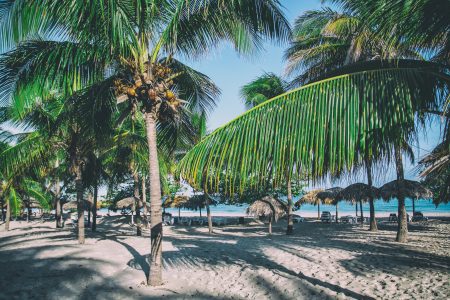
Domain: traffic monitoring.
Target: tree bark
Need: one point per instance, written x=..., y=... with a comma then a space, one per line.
x=402, y=230
x=361, y=211
x=356, y=209
x=89, y=209
x=208, y=214
x=318, y=210
x=290, y=225
x=373, y=221
x=80, y=204
x=270, y=225
x=413, y=205
x=137, y=200
x=144, y=202
x=58, y=206
x=3, y=210
x=156, y=230
x=94, y=208
x=337, y=217
x=8, y=213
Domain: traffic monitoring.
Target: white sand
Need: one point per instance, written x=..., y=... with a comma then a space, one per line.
x=321, y=261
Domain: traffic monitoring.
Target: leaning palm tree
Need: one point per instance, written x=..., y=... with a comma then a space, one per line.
x=318, y=128
x=125, y=50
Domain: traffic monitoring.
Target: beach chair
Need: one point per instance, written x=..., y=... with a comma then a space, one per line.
x=418, y=216
x=393, y=218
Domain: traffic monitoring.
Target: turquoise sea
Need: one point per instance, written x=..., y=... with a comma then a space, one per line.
x=425, y=206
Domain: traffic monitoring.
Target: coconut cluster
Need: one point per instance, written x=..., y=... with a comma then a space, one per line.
x=154, y=90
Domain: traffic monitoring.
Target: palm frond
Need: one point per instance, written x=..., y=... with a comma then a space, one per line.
x=317, y=129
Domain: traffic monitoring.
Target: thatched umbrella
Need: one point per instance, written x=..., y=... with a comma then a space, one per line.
x=176, y=202
x=71, y=205
x=312, y=198
x=267, y=207
x=358, y=192
x=411, y=189
x=330, y=196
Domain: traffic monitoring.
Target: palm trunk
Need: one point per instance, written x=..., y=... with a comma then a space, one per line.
x=361, y=211
x=58, y=206
x=337, y=217
x=402, y=230
x=290, y=225
x=137, y=200
x=179, y=213
x=356, y=209
x=89, y=210
x=270, y=225
x=3, y=210
x=414, y=206
x=80, y=204
x=208, y=214
x=144, y=202
x=28, y=211
x=156, y=235
x=373, y=221
x=94, y=208
x=8, y=213
x=318, y=210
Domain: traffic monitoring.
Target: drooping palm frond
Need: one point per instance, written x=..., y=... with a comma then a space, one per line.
x=319, y=128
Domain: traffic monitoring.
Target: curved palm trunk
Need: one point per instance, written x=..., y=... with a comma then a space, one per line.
x=290, y=226
x=80, y=204
x=402, y=230
x=137, y=200
x=156, y=230
x=8, y=213
x=94, y=209
x=373, y=221
x=208, y=214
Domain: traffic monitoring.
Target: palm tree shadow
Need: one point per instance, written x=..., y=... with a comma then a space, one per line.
x=139, y=262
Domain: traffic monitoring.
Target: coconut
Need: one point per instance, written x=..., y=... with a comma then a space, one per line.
x=131, y=92
x=152, y=94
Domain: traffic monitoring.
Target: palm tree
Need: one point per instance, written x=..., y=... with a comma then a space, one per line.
x=318, y=128
x=263, y=88
x=134, y=43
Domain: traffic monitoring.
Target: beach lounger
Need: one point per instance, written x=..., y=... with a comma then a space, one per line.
x=418, y=216
x=393, y=218
x=348, y=220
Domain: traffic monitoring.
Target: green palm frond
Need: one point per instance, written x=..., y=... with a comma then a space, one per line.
x=317, y=129
x=262, y=89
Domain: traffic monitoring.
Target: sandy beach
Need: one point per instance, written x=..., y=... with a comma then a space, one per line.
x=320, y=261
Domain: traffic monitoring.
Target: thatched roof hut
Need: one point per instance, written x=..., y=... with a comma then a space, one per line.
x=268, y=207
x=176, y=202
x=358, y=192
x=410, y=189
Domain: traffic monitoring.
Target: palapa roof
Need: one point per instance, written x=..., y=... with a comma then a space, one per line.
x=128, y=202
x=309, y=198
x=358, y=191
x=193, y=203
x=70, y=205
x=329, y=196
x=410, y=189
x=267, y=206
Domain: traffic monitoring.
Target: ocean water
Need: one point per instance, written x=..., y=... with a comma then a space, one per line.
x=425, y=206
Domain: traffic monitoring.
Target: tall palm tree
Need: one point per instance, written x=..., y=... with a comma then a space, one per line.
x=133, y=44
